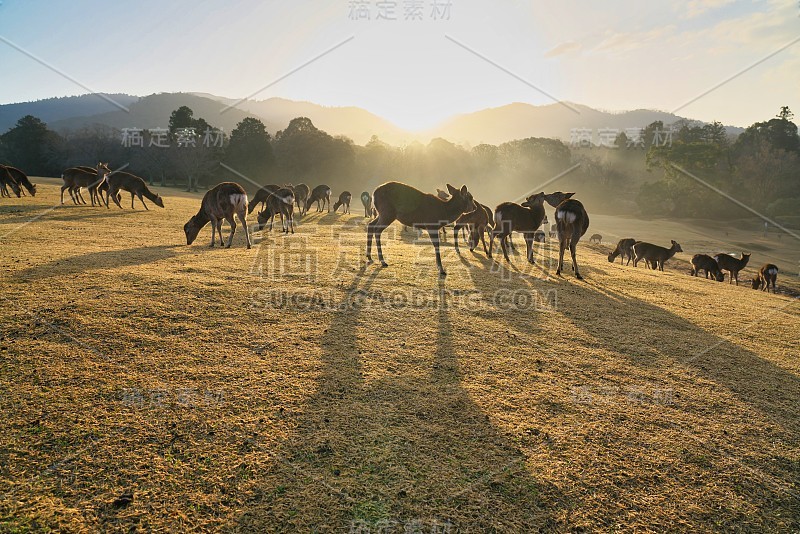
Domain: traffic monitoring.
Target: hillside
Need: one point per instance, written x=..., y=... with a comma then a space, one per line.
x=149, y=385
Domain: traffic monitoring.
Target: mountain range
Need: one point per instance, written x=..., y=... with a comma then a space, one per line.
x=492, y=125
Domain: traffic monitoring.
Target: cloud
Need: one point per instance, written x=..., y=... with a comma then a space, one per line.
x=567, y=47
x=695, y=8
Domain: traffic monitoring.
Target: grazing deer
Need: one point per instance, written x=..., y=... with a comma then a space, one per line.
x=654, y=254
x=22, y=179
x=321, y=195
x=729, y=263
x=221, y=202
x=7, y=180
x=125, y=181
x=479, y=221
x=261, y=197
x=366, y=200
x=281, y=202
x=301, y=192
x=412, y=207
x=344, y=200
x=572, y=221
x=768, y=274
x=708, y=264
x=623, y=250
x=512, y=217
x=76, y=178
x=596, y=238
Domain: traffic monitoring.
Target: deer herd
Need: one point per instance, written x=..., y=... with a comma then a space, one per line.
x=394, y=201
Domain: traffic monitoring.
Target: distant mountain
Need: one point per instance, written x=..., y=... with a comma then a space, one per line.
x=494, y=125
x=519, y=120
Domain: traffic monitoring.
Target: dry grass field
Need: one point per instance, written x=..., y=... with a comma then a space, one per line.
x=150, y=386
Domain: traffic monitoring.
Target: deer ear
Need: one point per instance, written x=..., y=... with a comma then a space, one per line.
x=464, y=189
x=453, y=191
x=568, y=195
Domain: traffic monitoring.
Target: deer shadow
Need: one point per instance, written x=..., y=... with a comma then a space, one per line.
x=406, y=447
x=106, y=259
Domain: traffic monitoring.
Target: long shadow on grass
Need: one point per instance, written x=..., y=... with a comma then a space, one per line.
x=106, y=259
x=408, y=450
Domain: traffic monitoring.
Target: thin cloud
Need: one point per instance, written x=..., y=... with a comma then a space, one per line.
x=567, y=47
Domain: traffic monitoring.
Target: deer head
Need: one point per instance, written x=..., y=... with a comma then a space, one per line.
x=461, y=198
x=554, y=199
x=191, y=229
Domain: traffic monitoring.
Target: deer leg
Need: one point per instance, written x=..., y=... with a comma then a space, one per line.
x=529, y=245
x=491, y=243
x=142, y=201
x=562, y=244
x=243, y=219
x=233, y=229
x=219, y=232
x=132, y=197
x=63, y=187
x=573, y=245
x=434, y=234
x=117, y=198
x=483, y=241
x=504, y=246
x=455, y=238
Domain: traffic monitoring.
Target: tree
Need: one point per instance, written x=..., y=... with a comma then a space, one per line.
x=785, y=113
x=29, y=144
x=183, y=117
x=249, y=149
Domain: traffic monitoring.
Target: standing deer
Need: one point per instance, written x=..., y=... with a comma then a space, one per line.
x=221, y=202
x=261, y=197
x=479, y=221
x=125, y=181
x=729, y=263
x=412, y=207
x=654, y=254
x=366, y=200
x=344, y=200
x=768, y=274
x=280, y=203
x=572, y=221
x=75, y=178
x=623, y=250
x=321, y=195
x=301, y=192
x=22, y=179
x=525, y=218
x=709, y=265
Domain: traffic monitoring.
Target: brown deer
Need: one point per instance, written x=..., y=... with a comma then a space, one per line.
x=654, y=254
x=301, y=192
x=76, y=178
x=321, y=195
x=125, y=181
x=22, y=179
x=7, y=180
x=525, y=218
x=708, y=264
x=623, y=250
x=281, y=202
x=596, y=238
x=366, y=200
x=412, y=207
x=478, y=221
x=261, y=197
x=344, y=200
x=572, y=221
x=729, y=263
x=539, y=236
x=221, y=202
x=768, y=274
x=100, y=189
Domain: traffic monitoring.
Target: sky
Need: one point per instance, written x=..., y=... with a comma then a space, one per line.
x=474, y=54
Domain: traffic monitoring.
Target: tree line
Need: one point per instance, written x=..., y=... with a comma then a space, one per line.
x=759, y=167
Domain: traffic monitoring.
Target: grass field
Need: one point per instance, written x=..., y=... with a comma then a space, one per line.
x=147, y=385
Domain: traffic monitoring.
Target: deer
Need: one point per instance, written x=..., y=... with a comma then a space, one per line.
x=221, y=202
x=7, y=180
x=280, y=203
x=99, y=189
x=554, y=230
x=344, y=200
x=321, y=195
x=572, y=221
x=412, y=207
x=654, y=254
x=366, y=200
x=766, y=275
x=538, y=236
x=301, y=192
x=75, y=178
x=623, y=250
x=708, y=264
x=596, y=238
x=479, y=221
x=22, y=179
x=261, y=197
x=512, y=217
x=125, y=181
x=729, y=263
